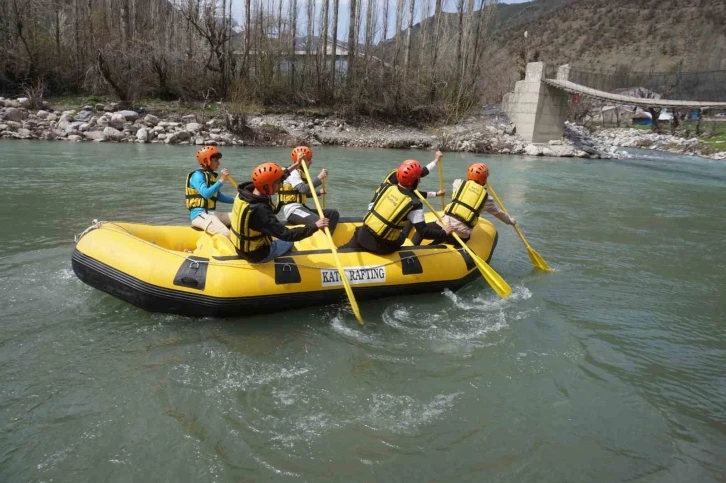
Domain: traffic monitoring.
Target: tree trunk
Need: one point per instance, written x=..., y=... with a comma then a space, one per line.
x=57, y=31
x=335, y=46
x=125, y=37
x=459, y=38
x=412, y=6
x=351, y=45
x=385, y=19
x=120, y=91
x=293, y=57
x=248, y=23
x=309, y=40
x=435, y=50
x=322, y=77
x=77, y=32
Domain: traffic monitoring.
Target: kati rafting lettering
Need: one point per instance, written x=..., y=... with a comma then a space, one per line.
x=356, y=275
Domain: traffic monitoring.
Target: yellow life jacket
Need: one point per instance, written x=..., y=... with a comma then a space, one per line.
x=194, y=199
x=388, y=215
x=467, y=203
x=243, y=237
x=288, y=193
x=385, y=183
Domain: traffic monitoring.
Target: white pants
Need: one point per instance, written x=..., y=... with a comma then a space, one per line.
x=213, y=223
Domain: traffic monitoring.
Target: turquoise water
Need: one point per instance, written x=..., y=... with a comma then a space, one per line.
x=609, y=369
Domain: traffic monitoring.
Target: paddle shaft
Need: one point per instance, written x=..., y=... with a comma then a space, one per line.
x=341, y=271
x=441, y=184
x=499, y=202
x=325, y=191
x=536, y=258
x=500, y=286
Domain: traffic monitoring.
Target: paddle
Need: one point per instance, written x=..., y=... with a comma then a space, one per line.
x=232, y=181
x=325, y=191
x=441, y=185
x=537, y=260
x=500, y=286
x=341, y=271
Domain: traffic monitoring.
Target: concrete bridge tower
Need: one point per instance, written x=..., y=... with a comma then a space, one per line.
x=537, y=109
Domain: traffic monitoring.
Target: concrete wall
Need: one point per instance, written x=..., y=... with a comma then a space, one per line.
x=537, y=109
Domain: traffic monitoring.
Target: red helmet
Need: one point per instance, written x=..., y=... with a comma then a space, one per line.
x=409, y=173
x=478, y=172
x=302, y=152
x=266, y=175
x=204, y=155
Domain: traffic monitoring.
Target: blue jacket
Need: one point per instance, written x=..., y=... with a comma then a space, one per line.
x=197, y=182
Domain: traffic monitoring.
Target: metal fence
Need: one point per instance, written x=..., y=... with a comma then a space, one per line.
x=688, y=86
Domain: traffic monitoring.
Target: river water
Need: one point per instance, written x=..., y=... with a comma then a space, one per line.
x=613, y=368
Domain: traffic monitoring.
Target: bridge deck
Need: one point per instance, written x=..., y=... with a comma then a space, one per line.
x=633, y=101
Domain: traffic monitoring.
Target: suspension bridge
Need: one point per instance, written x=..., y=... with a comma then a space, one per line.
x=539, y=104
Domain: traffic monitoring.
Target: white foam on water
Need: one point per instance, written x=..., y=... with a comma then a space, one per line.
x=403, y=414
x=466, y=324
x=66, y=274
x=350, y=332
x=273, y=468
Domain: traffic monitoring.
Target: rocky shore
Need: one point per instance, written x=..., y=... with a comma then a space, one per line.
x=479, y=134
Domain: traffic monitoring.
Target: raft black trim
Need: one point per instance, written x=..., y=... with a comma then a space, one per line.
x=322, y=251
x=192, y=273
x=467, y=258
x=159, y=299
x=410, y=264
x=286, y=271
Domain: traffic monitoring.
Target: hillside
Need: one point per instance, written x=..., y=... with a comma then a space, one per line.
x=648, y=35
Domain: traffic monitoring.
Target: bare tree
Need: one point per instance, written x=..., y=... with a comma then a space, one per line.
x=351, y=44
x=335, y=45
x=412, y=4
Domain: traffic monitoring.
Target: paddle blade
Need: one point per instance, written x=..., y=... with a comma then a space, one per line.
x=333, y=250
x=537, y=260
x=500, y=286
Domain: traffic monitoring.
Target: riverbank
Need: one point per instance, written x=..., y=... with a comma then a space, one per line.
x=489, y=133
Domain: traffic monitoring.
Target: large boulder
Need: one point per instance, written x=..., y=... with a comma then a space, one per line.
x=72, y=127
x=65, y=120
x=193, y=127
x=151, y=119
x=142, y=135
x=117, y=120
x=166, y=124
x=94, y=135
x=84, y=116
x=129, y=115
x=15, y=114
x=182, y=135
x=532, y=150
x=112, y=134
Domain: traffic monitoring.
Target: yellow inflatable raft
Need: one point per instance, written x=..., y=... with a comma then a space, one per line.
x=177, y=269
